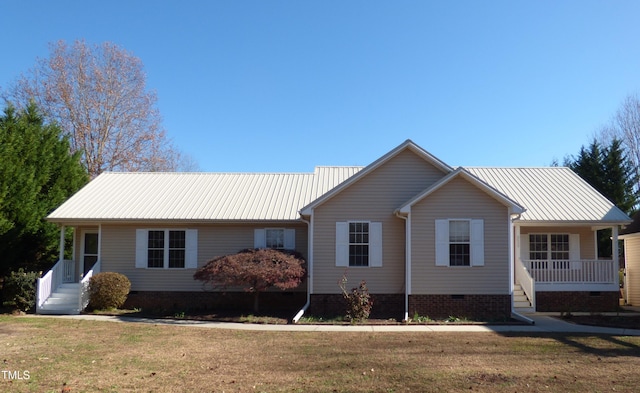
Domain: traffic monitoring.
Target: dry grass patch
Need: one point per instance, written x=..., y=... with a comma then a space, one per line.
x=91, y=356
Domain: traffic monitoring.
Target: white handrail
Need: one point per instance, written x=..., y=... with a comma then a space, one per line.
x=48, y=283
x=527, y=283
x=84, y=286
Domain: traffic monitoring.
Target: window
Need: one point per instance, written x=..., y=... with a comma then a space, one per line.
x=358, y=244
x=155, y=257
x=459, y=242
x=166, y=248
x=177, y=248
x=559, y=246
x=275, y=238
x=278, y=238
x=549, y=246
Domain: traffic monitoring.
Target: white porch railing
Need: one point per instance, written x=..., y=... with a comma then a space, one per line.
x=84, y=286
x=62, y=271
x=572, y=272
x=527, y=283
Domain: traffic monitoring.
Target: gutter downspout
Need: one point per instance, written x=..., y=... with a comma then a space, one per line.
x=304, y=308
x=407, y=261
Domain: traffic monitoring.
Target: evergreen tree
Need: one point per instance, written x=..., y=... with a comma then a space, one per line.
x=589, y=165
x=37, y=173
x=608, y=170
x=620, y=178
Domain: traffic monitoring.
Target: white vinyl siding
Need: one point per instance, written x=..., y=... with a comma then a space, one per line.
x=445, y=240
x=170, y=251
x=278, y=238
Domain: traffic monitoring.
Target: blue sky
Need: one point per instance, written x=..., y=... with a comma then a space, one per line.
x=287, y=85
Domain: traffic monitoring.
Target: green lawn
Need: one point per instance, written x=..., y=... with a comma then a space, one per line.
x=91, y=356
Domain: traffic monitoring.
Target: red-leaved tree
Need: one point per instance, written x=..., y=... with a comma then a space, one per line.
x=256, y=270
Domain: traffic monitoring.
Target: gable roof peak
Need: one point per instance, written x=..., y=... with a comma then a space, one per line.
x=514, y=207
x=407, y=144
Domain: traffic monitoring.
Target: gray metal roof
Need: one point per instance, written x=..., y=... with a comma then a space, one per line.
x=551, y=194
x=199, y=196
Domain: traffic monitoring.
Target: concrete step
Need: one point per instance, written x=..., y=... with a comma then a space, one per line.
x=520, y=298
x=62, y=300
x=68, y=288
x=58, y=310
x=521, y=304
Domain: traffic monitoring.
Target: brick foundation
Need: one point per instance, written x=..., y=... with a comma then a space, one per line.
x=332, y=305
x=280, y=302
x=577, y=301
x=481, y=307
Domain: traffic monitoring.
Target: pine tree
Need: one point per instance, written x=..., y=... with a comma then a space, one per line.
x=620, y=178
x=609, y=171
x=37, y=173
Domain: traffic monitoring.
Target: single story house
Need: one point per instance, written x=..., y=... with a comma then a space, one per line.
x=429, y=239
x=631, y=237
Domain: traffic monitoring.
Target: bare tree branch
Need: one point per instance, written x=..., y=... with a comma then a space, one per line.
x=98, y=96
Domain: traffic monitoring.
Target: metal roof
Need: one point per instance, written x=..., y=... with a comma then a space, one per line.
x=199, y=196
x=551, y=194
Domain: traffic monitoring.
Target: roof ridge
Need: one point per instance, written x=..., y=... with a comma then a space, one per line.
x=515, y=167
x=206, y=173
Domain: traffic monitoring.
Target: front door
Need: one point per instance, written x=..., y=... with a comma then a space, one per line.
x=89, y=251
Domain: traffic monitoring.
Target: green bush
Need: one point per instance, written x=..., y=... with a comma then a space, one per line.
x=19, y=290
x=108, y=290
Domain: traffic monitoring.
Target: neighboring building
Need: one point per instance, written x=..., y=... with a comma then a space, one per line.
x=428, y=238
x=631, y=237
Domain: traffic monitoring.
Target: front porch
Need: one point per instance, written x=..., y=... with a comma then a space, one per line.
x=64, y=288
x=571, y=281
x=57, y=292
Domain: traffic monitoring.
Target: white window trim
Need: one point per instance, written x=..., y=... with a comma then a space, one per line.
x=574, y=245
x=375, y=244
x=476, y=242
x=260, y=237
x=190, y=252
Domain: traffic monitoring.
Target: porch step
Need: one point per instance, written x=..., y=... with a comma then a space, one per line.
x=520, y=300
x=63, y=301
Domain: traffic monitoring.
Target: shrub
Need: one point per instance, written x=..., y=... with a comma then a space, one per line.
x=108, y=290
x=20, y=290
x=359, y=301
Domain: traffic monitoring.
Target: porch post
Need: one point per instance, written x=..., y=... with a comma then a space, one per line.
x=62, y=238
x=615, y=252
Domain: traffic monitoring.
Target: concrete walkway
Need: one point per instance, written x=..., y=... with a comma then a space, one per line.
x=544, y=323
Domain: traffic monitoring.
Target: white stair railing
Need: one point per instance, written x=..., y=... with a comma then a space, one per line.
x=47, y=284
x=84, y=286
x=527, y=283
